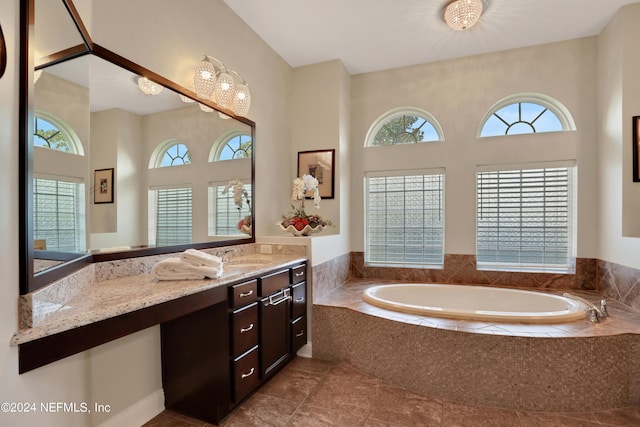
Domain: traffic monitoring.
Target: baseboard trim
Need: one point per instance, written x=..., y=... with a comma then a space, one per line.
x=305, y=351
x=138, y=413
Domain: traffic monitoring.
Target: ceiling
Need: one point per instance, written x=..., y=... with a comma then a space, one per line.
x=371, y=35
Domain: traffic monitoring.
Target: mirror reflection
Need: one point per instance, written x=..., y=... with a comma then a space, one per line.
x=121, y=163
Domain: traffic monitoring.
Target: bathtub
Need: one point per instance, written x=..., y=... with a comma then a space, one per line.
x=476, y=303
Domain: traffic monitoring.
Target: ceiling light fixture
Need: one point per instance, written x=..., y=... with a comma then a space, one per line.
x=215, y=82
x=148, y=87
x=462, y=14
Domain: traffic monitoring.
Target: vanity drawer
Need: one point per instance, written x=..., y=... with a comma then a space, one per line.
x=244, y=329
x=298, y=334
x=243, y=293
x=299, y=299
x=245, y=374
x=274, y=282
x=299, y=274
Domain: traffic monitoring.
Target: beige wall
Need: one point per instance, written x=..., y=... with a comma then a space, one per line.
x=619, y=197
x=458, y=93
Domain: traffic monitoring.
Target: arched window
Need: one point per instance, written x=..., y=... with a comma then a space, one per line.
x=526, y=113
x=51, y=132
x=231, y=146
x=405, y=125
x=170, y=153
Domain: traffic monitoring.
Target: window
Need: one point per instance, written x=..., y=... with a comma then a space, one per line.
x=58, y=214
x=526, y=113
x=50, y=132
x=224, y=214
x=170, y=153
x=405, y=219
x=404, y=126
x=173, y=216
x=525, y=219
x=238, y=146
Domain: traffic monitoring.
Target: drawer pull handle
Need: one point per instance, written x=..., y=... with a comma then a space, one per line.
x=301, y=299
x=247, y=329
x=248, y=374
x=299, y=334
x=246, y=294
x=300, y=274
x=284, y=295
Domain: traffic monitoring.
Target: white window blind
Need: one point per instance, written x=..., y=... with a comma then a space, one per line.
x=173, y=216
x=58, y=214
x=224, y=214
x=525, y=219
x=405, y=219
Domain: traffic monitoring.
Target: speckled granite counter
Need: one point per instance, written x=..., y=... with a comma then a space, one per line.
x=110, y=298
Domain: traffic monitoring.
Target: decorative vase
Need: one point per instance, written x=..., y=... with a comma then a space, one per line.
x=307, y=230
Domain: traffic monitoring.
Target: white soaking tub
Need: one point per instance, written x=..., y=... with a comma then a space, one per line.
x=476, y=303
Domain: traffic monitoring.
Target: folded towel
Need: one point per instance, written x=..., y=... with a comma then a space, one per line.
x=176, y=269
x=201, y=259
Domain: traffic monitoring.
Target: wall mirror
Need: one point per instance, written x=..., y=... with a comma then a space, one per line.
x=116, y=165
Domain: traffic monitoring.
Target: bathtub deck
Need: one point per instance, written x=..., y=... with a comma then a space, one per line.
x=577, y=366
x=621, y=320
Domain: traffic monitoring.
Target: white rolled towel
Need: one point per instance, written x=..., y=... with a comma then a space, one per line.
x=176, y=269
x=201, y=259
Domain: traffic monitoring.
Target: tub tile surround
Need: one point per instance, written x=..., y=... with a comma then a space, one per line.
x=104, y=290
x=461, y=269
x=330, y=275
x=619, y=282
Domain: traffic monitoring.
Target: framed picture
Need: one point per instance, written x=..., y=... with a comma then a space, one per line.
x=319, y=164
x=103, y=186
x=636, y=148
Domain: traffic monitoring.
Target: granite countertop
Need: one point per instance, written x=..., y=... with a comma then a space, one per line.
x=111, y=298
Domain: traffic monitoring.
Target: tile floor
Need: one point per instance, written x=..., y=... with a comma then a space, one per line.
x=309, y=393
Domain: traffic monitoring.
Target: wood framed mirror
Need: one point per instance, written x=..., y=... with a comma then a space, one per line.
x=83, y=111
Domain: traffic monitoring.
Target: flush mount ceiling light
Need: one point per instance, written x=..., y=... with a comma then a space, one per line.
x=215, y=82
x=462, y=14
x=149, y=87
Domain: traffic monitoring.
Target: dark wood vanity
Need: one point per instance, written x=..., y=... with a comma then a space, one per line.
x=215, y=358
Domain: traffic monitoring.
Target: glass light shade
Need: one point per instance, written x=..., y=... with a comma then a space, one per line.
x=205, y=108
x=149, y=87
x=462, y=14
x=241, y=100
x=223, y=115
x=225, y=90
x=186, y=99
x=204, y=81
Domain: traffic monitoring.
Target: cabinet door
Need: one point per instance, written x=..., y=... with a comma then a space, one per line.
x=274, y=332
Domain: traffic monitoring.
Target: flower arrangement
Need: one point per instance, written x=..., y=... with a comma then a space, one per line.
x=297, y=221
x=240, y=196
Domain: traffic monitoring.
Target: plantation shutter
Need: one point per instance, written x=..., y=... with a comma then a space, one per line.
x=525, y=219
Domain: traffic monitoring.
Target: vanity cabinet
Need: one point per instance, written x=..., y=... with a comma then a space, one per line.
x=214, y=358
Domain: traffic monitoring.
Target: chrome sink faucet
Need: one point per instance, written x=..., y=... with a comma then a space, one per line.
x=223, y=254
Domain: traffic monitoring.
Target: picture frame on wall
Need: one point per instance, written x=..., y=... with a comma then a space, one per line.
x=320, y=165
x=636, y=148
x=103, y=186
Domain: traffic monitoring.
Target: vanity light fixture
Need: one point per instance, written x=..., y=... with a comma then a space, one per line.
x=148, y=87
x=462, y=14
x=214, y=81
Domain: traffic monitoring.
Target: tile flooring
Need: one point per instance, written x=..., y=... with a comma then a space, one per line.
x=309, y=393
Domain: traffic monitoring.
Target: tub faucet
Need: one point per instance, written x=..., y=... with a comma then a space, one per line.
x=594, y=313
x=222, y=254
